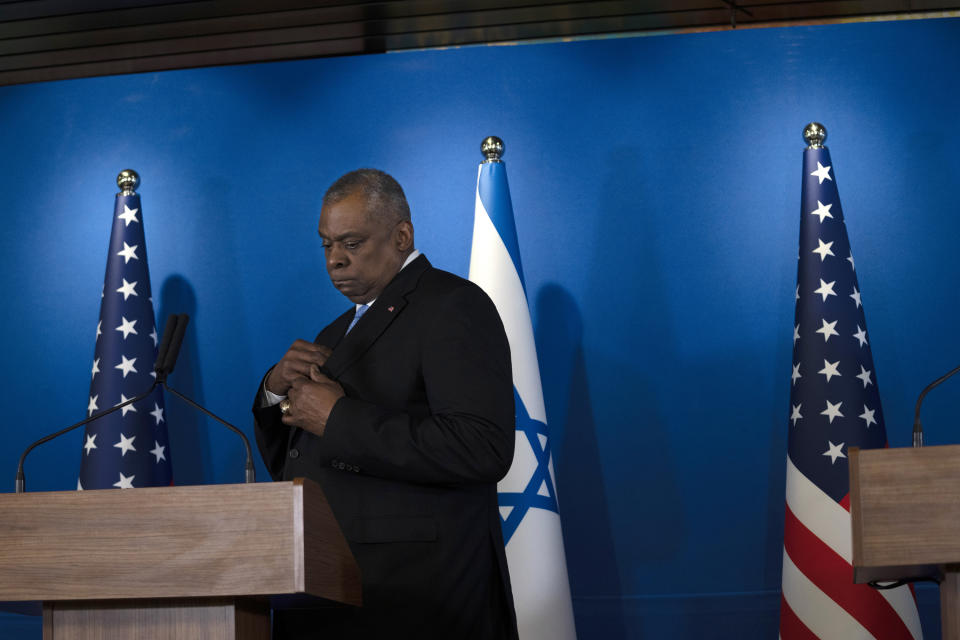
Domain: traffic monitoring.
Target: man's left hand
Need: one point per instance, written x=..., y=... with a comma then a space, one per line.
x=311, y=401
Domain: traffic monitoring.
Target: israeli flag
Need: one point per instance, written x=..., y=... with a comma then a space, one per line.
x=528, y=494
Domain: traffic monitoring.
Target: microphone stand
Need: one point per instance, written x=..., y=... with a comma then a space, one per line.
x=167, y=354
x=20, y=484
x=250, y=474
x=917, y=427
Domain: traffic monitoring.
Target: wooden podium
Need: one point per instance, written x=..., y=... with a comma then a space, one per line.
x=905, y=509
x=172, y=562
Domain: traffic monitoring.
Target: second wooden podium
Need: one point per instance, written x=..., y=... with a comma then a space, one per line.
x=172, y=562
x=905, y=510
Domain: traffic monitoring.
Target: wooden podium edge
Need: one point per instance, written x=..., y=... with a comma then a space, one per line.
x=856, y=522
x=317, y=574
x=298, y=546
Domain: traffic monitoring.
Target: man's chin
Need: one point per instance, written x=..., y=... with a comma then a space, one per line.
x=351, y=291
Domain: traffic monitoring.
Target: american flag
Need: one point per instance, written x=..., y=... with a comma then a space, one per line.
x=834, y=405
x=128, y=448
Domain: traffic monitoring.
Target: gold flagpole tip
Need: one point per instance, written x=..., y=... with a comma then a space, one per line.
x=492, y=149
x=815, y=134
x=128, y=181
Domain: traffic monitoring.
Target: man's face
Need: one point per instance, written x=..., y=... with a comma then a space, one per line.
x=362, y=253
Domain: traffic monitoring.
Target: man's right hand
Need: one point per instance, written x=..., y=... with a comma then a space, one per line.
x=296, y=364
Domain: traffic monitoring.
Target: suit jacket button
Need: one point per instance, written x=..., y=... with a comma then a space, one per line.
x=333, y=463
x=294, y=454
x=340, y=466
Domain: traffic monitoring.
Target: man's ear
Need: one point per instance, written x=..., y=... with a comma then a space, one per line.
x=403, y=235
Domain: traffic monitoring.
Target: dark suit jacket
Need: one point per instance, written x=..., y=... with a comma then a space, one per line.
x=410, y=458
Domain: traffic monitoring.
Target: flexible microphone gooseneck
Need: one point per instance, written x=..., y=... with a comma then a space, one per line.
x=167, y=354
x=23, y=456
x=917, y=427
x=250, y=474
x=168, y=331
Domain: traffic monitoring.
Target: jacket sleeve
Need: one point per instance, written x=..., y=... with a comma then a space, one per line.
x=468, y=435
x=272, y=435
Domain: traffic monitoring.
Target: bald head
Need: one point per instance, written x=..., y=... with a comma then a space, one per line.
x=385, y=200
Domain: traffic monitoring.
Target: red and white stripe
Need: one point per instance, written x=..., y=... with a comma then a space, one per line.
x=820, y=599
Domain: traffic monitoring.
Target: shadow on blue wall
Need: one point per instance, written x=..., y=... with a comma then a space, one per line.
x=190, y=448
x=636, y=442
x=586, y=522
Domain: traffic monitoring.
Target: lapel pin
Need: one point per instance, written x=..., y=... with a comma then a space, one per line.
x=390, y=309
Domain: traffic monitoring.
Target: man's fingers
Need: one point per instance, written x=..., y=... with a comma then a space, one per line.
x=296, y=363
x=307, y=353
x=316, y=375
x=294, y=368
x=284, y=374
x=311, y=402
x=299, y=363
x=309, y=347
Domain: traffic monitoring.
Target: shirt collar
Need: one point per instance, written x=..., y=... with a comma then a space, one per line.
x=410, y=258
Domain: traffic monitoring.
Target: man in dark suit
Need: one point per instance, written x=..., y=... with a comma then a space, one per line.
x=402, y=409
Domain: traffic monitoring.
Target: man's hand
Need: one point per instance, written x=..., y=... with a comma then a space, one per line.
x=311, y=401
x=296, y=364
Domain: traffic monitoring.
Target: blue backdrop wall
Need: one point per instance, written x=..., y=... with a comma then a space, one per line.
x=656, y=185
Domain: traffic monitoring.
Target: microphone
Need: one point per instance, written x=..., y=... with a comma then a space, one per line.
x=170, y=357
x=164, y=367
x=917, y=427
x=165, y=345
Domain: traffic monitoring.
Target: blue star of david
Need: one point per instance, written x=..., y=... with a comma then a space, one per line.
x=529, y=498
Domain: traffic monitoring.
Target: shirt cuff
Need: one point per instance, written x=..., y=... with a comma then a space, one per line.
x=270, y=398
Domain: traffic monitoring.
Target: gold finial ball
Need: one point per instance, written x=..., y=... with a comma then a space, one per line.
x=492, y=149
x=128, y=181
x=815, y=134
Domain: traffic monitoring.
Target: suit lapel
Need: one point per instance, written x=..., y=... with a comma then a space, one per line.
x=334, y=334
x=385, y=310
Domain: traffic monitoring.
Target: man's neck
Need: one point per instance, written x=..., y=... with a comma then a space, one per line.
x=410, y=258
